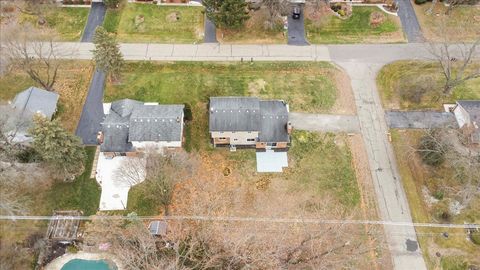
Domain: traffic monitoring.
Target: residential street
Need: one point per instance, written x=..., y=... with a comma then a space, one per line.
x=95, y=18
x=391, y=197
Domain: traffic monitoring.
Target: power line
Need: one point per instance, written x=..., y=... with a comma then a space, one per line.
x=251, y=219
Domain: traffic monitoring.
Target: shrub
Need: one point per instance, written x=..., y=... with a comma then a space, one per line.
x=376, y=19
x=341, y=12
x=442, y=212
x=431, y=149
x=72, y=249
x=475, y=237
x=188, y=112
x=438, y=194
x=420, y=2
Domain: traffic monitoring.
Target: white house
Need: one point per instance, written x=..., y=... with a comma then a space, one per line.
x=467, y=113
x=131, y=126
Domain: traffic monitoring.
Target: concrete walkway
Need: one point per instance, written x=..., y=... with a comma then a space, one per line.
x=324, y=122
x=391, y=197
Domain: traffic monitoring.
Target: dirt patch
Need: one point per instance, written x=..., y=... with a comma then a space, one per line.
x=256, y=87
x=173, y=17
x=345, y=102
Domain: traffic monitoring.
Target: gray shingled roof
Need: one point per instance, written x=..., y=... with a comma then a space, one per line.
x=131, y=120
x=234, y=114
x=269, y=117
x=473, y=109
x=35, y=100
x=124, y=107
x=115, y=133
x=156, y=123
x=274, y=120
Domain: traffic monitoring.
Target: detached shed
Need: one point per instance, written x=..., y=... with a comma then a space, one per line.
x=158, y=227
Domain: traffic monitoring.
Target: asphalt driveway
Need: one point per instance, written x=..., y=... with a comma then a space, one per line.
x=95, y=18
x=409, y=20
x=296, y=29
x=420, y=119
x=92, y=114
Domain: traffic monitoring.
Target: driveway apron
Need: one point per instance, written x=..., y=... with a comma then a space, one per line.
x=420, y=119
x=409, y=20
x=95, y=18
x=296, y=29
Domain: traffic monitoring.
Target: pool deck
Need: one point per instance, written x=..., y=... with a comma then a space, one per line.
x=58, y=263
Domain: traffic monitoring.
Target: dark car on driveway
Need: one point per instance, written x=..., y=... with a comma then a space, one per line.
x=296, y=13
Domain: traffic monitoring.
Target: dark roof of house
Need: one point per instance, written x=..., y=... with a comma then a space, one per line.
x=234, y=114
x=274, y=120
x=35, y=100
x=268, y=117
x=124, y=107
x=156, y=123
x=472, y=107
x=115, y=133
x=131, y=120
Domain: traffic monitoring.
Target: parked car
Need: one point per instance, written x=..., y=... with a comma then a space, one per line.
x=296, y=13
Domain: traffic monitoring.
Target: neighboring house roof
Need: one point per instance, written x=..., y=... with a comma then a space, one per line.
x=234, y=114
x=472, y=107
x=130, y=120
x=268, y=117
x=34, y=100
x=274, y=120
x=156, y=123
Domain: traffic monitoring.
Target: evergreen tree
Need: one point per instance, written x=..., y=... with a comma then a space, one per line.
x=58, y=148
x=106, y=54
x=230, y=14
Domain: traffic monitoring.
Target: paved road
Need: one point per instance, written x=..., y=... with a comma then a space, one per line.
x=420, y=119
x=391, y=197
x=92, y=114
x=379, y=53
x=296, y=29
x=95, y=18
x=409, y=20
x=324, y=122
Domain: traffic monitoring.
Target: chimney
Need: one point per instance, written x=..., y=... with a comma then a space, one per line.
x=100, y=137
x=289, y=128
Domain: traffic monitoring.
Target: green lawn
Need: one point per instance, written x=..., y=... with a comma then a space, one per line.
x=355, y=29
x=306, y=87
x=161, y=24
x=68, y=22
x=399, y=81
x=81, y=194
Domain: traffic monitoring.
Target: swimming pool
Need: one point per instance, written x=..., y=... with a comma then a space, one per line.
x=79, y=264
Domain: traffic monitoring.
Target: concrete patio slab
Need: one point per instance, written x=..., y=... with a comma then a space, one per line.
x=271, y=161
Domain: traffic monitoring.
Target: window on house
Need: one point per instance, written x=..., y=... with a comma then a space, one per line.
x=222, y=138
x=250, y=140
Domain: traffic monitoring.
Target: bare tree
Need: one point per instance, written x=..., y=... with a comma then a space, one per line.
x=275, y=9
x=35, y=52
x=456, y=62
x=12, y=124
x=132, y=171
x=455, y=3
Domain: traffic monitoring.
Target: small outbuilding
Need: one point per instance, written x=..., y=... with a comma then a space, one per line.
x=36, y=101
x=63, y=226
x=467, y=114
x=158, y=227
